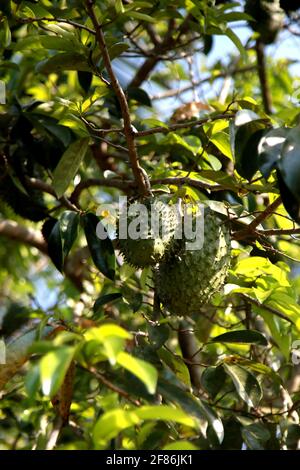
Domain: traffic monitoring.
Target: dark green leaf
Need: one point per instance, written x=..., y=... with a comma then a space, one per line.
x=158, y=335
x=255, y=436
x=53, y=368
x=191, y=405
x=102, y=251
x=85, y=80
x=105, y=299
x=245, y=148
x=176, y=364
x=291, y=204
x=64, y=61
x=139, y=95
x=241, y=336
x=69, y=221
x=289, y=164
x=208, y=43
x=269, y=149
x=68, y=165
x=58, y=43
x=293, y=436
x=117, y=49
x=143, y=370
x=55, y=247
x=245, y=383
x=212, y=380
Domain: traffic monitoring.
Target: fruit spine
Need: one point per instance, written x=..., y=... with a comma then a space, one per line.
x=187, y=279
x=145, y=231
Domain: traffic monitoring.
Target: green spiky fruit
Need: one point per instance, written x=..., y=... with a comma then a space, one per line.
x=268, y=18
x=153, y=239
x=187, y=279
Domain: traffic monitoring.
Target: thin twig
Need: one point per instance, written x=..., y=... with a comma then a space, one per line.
x=210, y=78
x=128, y=130
x=183, y=125
x=178, y=181
x=112, y=386
x=266, y=307
x=168, y=43
x=57, y=20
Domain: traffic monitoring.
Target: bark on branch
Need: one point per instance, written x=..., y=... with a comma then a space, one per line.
x=139, y=175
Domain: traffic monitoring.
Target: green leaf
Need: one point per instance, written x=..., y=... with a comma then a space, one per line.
x=144, y=371
x=269, y=149
x=192, y=405
x=58, y=43
x=102, y=250
x=105, y=299
x=60, y=235
x=255, y=436
x=53, y=368
x=117, y=49
x=289, y=164
x=241, y=336
x=245, y=383
x=141, y=16
x=176, y=364
x=212, y=380
x=236, y=41
x=180, y=445
x=221, y=141
x=119, y=6
x=158, y=335
x=290, y=202
x=111, y=337
x=75, y=123
x=68, y=223
x=55, y=248
x=111, y=423
x=68, y=165
x=139, y=95
x=5, y=34
x=64, y=61
x=32, y=381
x=151, y=122
x=85, y=80
x=246, y=143
x=100, y=333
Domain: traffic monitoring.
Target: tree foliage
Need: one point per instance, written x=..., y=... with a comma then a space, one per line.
x=102, y=100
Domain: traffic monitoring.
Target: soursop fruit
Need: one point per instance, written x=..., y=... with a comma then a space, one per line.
x=145, y=231
x=187, y=279
x=268, y=18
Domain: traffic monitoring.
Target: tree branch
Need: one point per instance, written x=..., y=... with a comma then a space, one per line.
x=262, y=74
x=128, y=130
x=260, y=218
x=113, y=183
x=279, y=231
x=230, y=73
x=189, y=350
x=112, y=386
x=178, y=181
x=143, y=72
x=15, y=231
